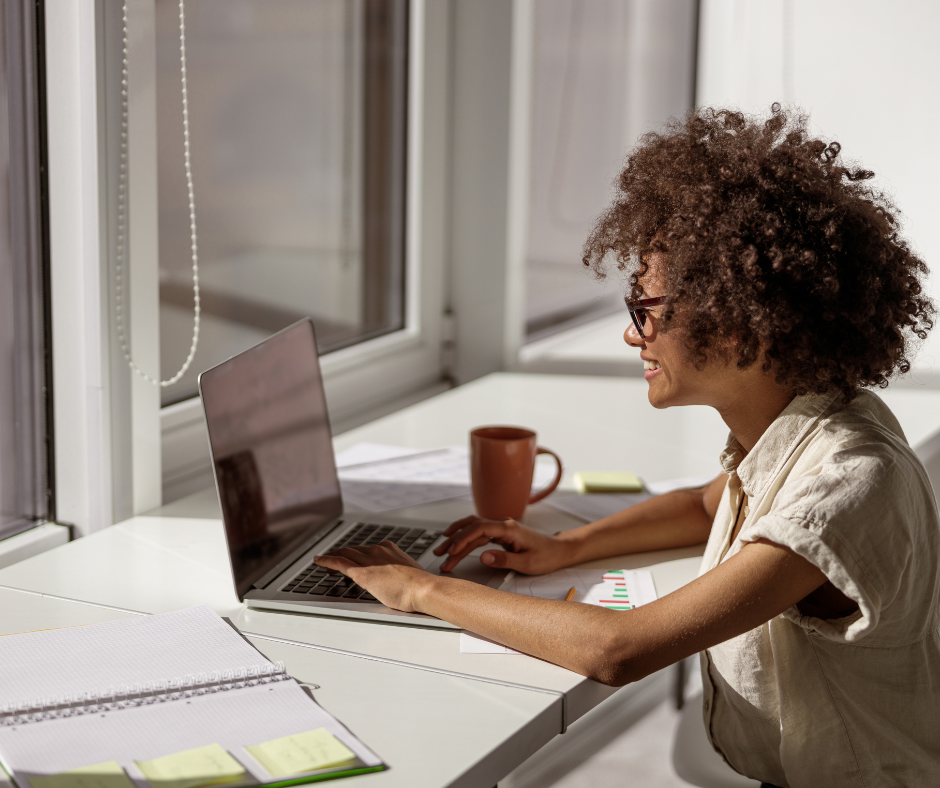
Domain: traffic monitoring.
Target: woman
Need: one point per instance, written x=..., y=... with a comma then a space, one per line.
x=769, y=282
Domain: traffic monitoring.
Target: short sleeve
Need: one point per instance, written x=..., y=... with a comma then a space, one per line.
x=863, y=517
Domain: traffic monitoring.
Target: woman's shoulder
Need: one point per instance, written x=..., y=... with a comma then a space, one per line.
x=864, y=432
x=867, y=415
x=858, y=452
x=858, y=504
x=859, y=485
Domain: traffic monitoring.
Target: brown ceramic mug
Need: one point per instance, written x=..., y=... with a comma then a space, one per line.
x=502, y=464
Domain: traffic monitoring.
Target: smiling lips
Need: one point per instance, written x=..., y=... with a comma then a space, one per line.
x=650, y=369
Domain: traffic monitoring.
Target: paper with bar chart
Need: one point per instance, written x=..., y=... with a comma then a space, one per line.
x=615, y=589
x=621, y=589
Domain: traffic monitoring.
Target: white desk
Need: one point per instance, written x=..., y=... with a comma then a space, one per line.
x=431, y=729
x=155, y=565
x=178, y=558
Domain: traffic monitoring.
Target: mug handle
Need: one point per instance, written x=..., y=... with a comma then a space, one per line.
x=538, y=496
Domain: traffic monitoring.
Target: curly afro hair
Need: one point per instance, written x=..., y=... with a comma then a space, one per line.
x=776, y=251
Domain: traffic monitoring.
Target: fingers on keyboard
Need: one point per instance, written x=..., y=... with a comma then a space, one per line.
x=318, y=582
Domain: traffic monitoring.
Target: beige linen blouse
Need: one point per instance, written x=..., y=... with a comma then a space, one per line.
x=855, y=701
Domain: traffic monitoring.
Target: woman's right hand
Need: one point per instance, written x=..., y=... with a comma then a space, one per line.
x=525, y=550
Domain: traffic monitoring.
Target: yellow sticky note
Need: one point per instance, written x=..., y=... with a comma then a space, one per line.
x=209, y=765
x=99, y=775
x=301, y=752
x=607, y=482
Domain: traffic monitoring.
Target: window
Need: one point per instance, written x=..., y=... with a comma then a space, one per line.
x=24, y=472
x=604, y=73
x=298, y=136
x=318, y=134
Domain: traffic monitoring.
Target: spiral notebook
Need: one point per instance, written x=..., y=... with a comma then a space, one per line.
x=175, y=700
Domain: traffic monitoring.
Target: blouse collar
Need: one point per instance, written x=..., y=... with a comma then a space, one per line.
x=759, y=467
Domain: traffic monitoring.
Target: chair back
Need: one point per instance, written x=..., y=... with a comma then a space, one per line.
x=929, y=453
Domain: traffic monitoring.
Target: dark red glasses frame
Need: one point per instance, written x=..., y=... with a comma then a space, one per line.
x=639, y=308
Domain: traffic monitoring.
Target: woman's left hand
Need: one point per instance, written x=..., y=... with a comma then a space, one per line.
x=383, y=570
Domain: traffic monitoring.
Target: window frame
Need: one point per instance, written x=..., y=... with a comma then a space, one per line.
x=466, y=202
x=359, y=378
x=80, y=386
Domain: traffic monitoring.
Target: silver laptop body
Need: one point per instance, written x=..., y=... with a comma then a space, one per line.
x=272, y=456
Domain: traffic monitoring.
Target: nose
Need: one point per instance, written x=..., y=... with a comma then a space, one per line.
x=632, y=337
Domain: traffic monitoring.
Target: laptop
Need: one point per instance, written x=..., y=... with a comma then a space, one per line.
x=272, y=456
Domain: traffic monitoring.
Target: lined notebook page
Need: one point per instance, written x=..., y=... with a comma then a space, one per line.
x=99, y=657
x=233, y=719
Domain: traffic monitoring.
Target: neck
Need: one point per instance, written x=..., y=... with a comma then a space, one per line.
x=753, y=407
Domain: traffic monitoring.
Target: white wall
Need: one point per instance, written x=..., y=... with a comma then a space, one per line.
x=867, y=71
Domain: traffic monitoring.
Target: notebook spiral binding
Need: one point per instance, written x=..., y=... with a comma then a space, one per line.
x=127, y=697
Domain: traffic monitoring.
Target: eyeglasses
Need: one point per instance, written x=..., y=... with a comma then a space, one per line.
x=638, y=310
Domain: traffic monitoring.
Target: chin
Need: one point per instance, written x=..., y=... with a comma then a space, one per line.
x=659, y=398
x=658, y=402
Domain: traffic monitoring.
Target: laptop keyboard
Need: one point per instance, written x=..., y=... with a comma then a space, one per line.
x=314, y=581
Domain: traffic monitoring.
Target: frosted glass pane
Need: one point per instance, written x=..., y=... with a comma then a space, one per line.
x=604, y=73
x=297, y=130
x=24, y=492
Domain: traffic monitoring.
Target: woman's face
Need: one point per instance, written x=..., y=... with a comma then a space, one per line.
x=670, y=373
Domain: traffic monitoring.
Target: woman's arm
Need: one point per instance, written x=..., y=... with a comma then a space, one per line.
x=676, y=519
x=615, y=647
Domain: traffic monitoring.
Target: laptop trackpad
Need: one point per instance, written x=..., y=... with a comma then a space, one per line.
x=471, y=569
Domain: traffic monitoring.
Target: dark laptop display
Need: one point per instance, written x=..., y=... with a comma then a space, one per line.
x=272, y=450
x=272, y=454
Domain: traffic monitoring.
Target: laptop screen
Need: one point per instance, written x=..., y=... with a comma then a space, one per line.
x=272, y=450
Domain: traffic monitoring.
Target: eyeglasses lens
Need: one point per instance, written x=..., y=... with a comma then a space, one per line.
x=639, y=320
x=638, y=313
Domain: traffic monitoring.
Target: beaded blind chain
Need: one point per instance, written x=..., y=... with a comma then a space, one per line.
x=122, y=199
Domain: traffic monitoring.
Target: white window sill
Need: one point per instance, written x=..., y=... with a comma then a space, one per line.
x=594, y=348
x=36, y=540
